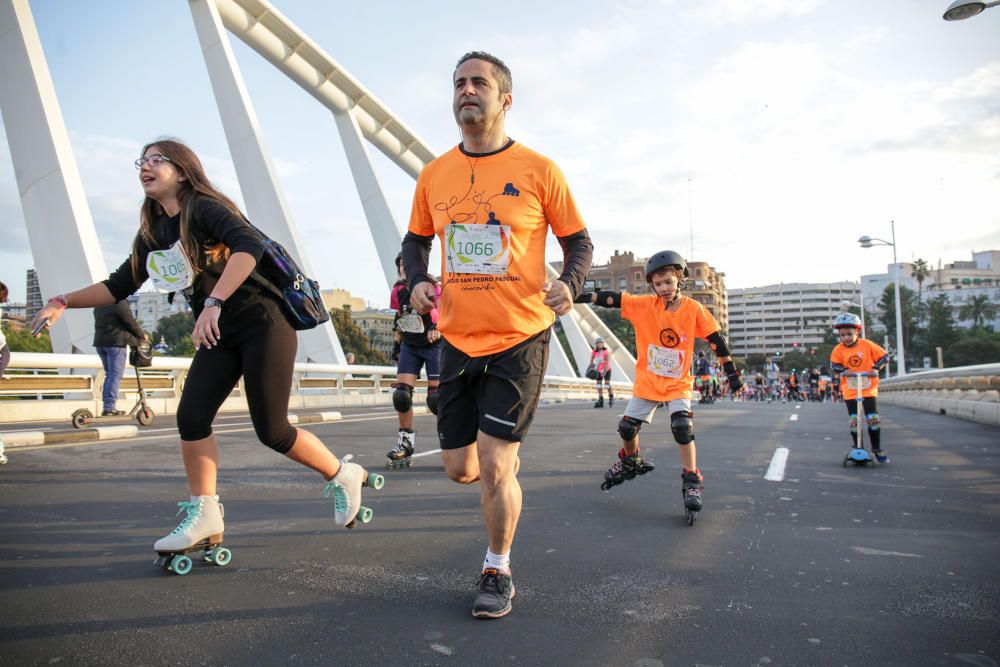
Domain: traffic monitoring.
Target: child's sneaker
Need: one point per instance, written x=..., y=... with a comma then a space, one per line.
x=881, y=456
x=496, y=590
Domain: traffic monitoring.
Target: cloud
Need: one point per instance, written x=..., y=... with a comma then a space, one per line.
x=744, y=11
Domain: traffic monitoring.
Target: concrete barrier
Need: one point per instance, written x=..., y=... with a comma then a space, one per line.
x=967, y=392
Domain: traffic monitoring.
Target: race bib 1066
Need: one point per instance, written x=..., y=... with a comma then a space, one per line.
x=169, y=269
x=665, y=362
x=478, y=248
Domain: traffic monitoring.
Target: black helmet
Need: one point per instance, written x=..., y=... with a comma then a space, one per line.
x=662, y=260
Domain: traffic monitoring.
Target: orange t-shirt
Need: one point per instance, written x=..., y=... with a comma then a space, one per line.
x=859, y=358
x=493, y=228
x=664, y=344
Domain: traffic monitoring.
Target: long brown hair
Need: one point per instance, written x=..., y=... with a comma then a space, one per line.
x=195, y=184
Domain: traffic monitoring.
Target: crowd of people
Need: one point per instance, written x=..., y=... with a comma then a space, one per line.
x=480, y=333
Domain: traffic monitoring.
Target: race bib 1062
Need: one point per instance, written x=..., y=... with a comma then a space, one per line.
x=478, y=248
x=665, y=362
x=169, y=269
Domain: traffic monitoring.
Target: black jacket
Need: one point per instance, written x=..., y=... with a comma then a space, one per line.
x=114, y=326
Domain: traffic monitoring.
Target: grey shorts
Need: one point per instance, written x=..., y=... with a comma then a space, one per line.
x=643, y=409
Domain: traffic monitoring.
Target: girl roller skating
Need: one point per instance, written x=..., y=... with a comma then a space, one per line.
x=194, y=241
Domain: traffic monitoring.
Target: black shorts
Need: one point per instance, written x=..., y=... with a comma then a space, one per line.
x=496, y=394
x=606, y=376
x=868, y=403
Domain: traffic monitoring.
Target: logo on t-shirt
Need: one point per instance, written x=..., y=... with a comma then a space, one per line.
x=669, y=338
x=854, y=361
x=510, y=191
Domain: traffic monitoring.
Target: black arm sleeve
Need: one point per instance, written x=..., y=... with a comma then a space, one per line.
x=603, y=296
x=128, y=322
x=416, y=254
x=719, y=344
x=881, y=362
x=578, y=252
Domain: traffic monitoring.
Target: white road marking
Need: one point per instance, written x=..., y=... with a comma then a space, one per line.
x=794, y=418
x=776, y=471
x=877, y=552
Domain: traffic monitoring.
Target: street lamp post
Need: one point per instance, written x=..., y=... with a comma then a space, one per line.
x=868, y=242
x=963, y=9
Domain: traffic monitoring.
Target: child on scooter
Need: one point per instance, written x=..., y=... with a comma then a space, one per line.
x=857, y=355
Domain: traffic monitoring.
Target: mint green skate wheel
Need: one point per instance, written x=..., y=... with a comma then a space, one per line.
x=221, y=556
x=365, y=514
x=180, y=565
x=376, y=481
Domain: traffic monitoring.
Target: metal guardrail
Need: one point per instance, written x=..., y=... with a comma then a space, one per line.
x=78, y=377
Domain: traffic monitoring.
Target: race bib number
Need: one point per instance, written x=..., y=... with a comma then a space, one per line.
x=411, y=323
x=169, y=269
x=478, y=248
x=852, y=382
x=664, y=361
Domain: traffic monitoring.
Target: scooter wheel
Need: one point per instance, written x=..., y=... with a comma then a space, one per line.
x=145, y=416
x=80, y=418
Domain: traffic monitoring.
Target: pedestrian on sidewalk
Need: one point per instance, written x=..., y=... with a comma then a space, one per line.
x=115, y=329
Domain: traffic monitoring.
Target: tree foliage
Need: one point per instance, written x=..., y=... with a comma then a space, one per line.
x=353, y=339
x=23, y=341
x=176, y=332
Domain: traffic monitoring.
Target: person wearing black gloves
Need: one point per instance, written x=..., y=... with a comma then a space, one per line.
x=666, y=324
x=193, y=240
x=115, y=328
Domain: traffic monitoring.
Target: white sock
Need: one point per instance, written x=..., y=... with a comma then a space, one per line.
x=499, y=561
x=194, y=499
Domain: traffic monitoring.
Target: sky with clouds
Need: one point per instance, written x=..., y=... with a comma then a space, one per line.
x=779, y=131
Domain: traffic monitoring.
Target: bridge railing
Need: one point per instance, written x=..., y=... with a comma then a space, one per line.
x=966, y=392
x=63, y=383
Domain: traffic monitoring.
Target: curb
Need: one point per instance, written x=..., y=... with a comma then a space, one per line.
x=315, y=417
x=26, y=438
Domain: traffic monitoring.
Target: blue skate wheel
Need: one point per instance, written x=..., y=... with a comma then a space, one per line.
x=222, y=556
x=180, y=565
x=376, y=481
x=365, y=514
x=859, y=455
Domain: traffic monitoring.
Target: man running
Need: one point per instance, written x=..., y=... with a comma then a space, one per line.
x=491, y=201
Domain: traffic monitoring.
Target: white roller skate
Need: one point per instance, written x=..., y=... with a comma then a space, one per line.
x=3, y=457
x=345, y=487
x=200, y=531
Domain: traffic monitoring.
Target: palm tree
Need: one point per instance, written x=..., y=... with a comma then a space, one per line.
x=921, y=269
x=980, y=309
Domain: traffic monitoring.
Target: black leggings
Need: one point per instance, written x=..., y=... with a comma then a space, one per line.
x=265, y=357
x=870, y=405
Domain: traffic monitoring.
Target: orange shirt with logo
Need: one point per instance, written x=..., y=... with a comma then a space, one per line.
x=859, y=358
x=523, y=194
x=664, y=344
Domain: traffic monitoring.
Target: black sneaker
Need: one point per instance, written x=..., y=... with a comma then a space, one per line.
x=496, y=590
x=112, y=413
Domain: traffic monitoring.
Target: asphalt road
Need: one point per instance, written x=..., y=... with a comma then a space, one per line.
x=828, y=566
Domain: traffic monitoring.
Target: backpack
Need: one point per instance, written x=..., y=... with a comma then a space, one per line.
x=277, y=272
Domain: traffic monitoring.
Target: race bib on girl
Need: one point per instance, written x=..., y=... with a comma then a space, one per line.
x=478, y=248
x=169, y=269
x=664, y=361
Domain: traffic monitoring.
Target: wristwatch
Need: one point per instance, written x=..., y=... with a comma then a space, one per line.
x=212, y=302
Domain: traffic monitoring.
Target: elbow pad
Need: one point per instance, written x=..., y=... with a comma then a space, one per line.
x=719, y=344
x=880, y=364
x=838, y=368
x=603, y=296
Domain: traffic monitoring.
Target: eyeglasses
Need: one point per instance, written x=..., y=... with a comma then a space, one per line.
x=154, y=160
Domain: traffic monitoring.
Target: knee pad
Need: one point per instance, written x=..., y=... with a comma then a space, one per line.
x=682, y=426
x=854, y=423
x=629, y=427
x=432, y=400
x=873, y=421
x=402, y=398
